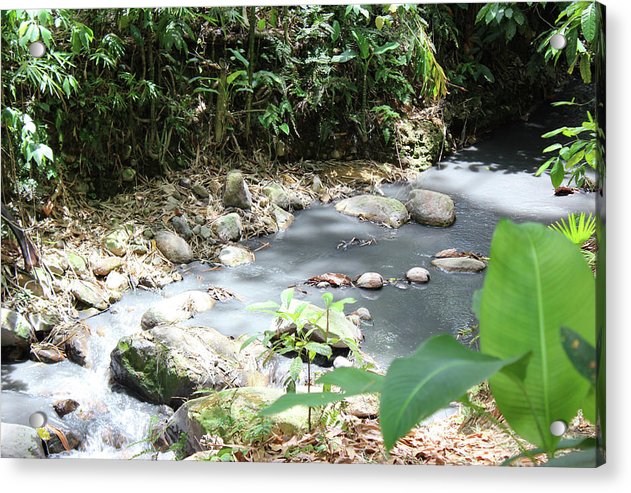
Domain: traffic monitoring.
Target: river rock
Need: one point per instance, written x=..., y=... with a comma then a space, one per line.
x=38, y=282
x=116, y=241
x=173, y=247
x=77, y=263
x=228, y=228
x=339, y=326
x=342, y=362
x=102, y=266
x=370, y=280
x=56, y=262
x=46, y=353
x=116, y=281
x=208, y=416
x=181, y=227
x=283, y=218
x=236, y=193
x=375, y=208
x=75, y=342
x=89, y=294
x=417, y=274
x=431, y=208
x=65, y=406
x=363, y=314
x=233, y=255
x=316, y=184
x=20, y=442
x=200, y=191
x=176, y=309
x=277, y=195
x=167, y=364
x=205, y=232
x=459, y=264
x=298, y=201
x=16, y=334
x=449, y=252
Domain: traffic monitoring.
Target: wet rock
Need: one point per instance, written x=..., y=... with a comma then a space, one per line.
x=417, y=274
x=431, y=208
x=56, y=446
x=354, y=319
x=375, y=208
x=102, y=266
x=173, y=247
x=370, y=280
x=283, y=218
x=46, y=353
x=340, y=327
x=167, y=364
x=65, y=406
x=459, y=264
x=449, y=252
x=181, y=227
x=234, y=255
x=20, y=442
x=277, y=195
x=116, y=281
x=342, y=362
x=204, y=416
x=77, y=263
x=75, y=343
x=363, y=406
x=89, y=294
x=236, y=193
x=363, y=314
x=176, y=309
x=16, y=333
x=228, y=228
x=200, y=191
x=116, y=241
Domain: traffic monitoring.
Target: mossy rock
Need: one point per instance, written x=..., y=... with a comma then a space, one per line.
x=232, y=414
x=420, y=142
x=167, y=364
x=431, y=208
x=383, y=210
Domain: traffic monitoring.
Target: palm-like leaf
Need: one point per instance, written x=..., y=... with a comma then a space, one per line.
x=578, y=228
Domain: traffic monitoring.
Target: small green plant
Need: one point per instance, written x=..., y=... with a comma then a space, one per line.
x=578, y=228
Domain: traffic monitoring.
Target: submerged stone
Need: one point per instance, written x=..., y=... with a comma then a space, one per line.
x=177, y=308
x=234, y=255
x=459, y=264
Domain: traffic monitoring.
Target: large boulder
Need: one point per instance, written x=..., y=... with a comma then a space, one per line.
x=16, y=334
x=173, y=247
x=340, y=327
x=431, y=208
x=212, y=415
x=459, y=264
x=236, y=193
x=234, y=255
x=167, y=364
x=20, y=442
x=228, y=228
x=383, y=210
x=176, y=309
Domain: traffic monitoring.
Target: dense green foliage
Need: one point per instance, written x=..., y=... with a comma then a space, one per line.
x=124, y=93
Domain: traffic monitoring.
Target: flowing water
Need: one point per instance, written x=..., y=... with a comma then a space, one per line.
x=488, y=181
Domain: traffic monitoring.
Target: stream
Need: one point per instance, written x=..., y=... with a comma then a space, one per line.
x=488, y=181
